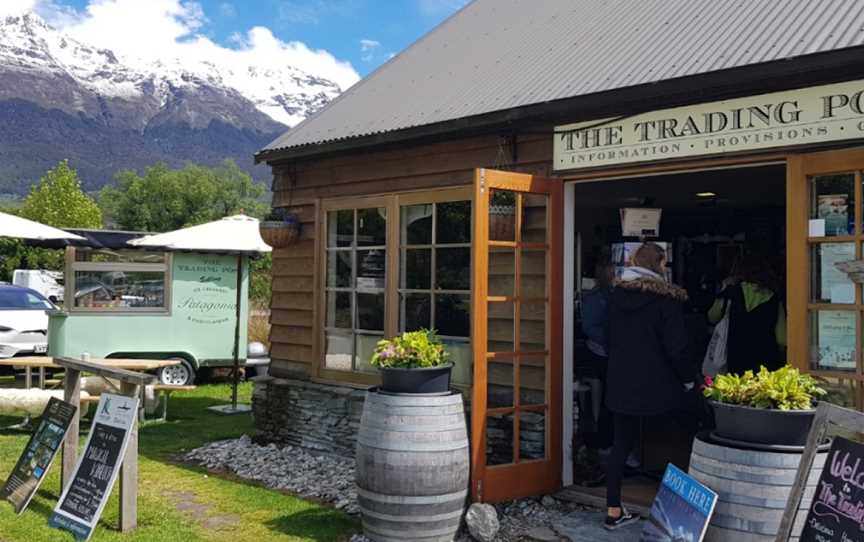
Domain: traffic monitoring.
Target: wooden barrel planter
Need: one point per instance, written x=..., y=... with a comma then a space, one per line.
x=752, y=488
x=412, y=467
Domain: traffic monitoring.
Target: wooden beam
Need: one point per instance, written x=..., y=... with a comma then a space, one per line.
x=129, y=470
x=72, y=395
x=129, y=377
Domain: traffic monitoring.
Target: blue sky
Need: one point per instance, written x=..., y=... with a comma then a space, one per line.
x=363, y=32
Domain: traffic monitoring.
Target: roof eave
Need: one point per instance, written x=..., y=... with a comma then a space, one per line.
x=820, y=68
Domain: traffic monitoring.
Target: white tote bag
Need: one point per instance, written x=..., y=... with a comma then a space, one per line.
x=715, y=357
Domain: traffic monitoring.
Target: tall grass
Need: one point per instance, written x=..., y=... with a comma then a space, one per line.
x=259, y=325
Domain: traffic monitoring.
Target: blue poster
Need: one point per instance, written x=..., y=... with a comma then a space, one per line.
x=681, y=510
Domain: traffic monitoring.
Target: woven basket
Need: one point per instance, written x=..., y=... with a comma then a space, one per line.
x=279, y=234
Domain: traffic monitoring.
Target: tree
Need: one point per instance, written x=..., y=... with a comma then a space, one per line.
x=165, y=199
x=59, y=201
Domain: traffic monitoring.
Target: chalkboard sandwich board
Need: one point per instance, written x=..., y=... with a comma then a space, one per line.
x=837, y=509
x=681, y=509
x=38, y=455
x=85, y=496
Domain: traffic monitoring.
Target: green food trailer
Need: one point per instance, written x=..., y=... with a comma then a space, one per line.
x=127, y=301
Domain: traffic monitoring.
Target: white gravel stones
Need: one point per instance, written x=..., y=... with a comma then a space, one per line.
x=482, y=522
x=330, y=480
x=322, y=478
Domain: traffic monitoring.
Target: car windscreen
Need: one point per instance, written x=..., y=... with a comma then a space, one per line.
x=14, y=299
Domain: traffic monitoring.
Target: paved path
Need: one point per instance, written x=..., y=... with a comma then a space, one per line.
x=588, y=526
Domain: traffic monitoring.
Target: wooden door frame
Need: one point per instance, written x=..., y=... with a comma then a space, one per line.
x=492, y=484
x=799, y=168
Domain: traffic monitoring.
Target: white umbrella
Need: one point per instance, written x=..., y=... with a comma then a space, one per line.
x=16, y=227
x=237, y=233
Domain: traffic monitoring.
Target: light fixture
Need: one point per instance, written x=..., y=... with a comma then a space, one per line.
x=706, y=195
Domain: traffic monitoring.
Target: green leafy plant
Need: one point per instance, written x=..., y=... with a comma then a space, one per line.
x=411, y=350
x=784, y=389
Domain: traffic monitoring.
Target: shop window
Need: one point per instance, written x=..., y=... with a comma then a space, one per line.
x=435, y=276
x=356, y=264
x=835, y=309
x=377, y=285
x=119, y=281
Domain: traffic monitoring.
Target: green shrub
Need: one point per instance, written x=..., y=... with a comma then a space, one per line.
x=411, y=350
x=783, y=389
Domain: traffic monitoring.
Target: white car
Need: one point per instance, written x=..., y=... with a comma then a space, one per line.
x=23, y=321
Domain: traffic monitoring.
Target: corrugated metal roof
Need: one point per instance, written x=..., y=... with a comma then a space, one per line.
x=495, y=55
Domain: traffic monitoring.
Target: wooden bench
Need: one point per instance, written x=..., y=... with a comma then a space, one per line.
x=166, y=390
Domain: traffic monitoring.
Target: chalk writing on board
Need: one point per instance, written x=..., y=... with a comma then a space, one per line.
x=837, y=510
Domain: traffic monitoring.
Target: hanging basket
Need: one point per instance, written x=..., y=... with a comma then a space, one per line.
x=279, y=233
x=502, y=222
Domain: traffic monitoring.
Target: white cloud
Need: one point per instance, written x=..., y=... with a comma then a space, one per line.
x=369, y=48
x=159, y=30
x=227, y=9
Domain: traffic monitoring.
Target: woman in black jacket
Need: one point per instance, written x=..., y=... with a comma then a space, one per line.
x=649, y=372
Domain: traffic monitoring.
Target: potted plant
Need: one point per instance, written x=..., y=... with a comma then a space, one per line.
x=766, y=408
x=280, y=228
x=413, y=362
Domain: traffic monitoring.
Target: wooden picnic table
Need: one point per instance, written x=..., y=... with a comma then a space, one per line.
x=47, y=362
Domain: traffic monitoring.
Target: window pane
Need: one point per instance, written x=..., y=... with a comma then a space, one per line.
x=532, y=327
x=370, y=312
x=372, y=227
x=453, y=222
x=532, y=380
x=832, y=206
x=832, y=340
x=532, y=281
x=499, y=439
x=501, y=271
x=460, y=356
x=453, y=268
x=829, y=284
x=365, y=348
x=118, y=256
x=500, y=327
x=339, y=310
x=416, y=225
x=534, y=218
x=532, y=436
x=841, y=391
x=339, y=351
x=340, y=228
x=120, y=289
x=339, y=268
x=416, y=312
x=452, y=315
x=502, y=216
x=417, y=268
x=499, y=388
x=370, y=268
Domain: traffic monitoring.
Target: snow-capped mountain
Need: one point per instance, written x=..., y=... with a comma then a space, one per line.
x=63, y=98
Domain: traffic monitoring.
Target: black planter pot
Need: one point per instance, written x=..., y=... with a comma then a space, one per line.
x=425, y=380
x=762, y=425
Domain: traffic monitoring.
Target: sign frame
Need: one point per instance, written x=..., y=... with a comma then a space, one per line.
x=122, y=417
x=47, y=418
x=827, y=415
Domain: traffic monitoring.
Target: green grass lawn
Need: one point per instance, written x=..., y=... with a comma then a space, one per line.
x=178, y=502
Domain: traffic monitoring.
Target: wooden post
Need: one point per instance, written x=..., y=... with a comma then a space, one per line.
x=28, y=377
x=129, y=469
x=72, y=395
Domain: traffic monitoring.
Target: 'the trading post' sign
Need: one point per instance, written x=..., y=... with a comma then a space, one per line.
x=85, y=496
x=781, y=119
x=837, y=510
x=38, y=455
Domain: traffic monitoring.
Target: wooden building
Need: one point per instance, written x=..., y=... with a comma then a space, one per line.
x=470, y=183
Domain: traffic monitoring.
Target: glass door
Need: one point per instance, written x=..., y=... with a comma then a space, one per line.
x=517, y=300
x=825, y=241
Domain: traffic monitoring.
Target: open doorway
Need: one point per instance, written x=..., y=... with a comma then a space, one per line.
x=709, y=218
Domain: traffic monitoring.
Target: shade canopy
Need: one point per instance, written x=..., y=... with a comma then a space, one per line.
x=15, y=227
x=235, y=234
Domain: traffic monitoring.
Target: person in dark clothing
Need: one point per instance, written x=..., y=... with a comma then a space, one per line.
x=595, y=325
x=757, y=317
x=649, y=371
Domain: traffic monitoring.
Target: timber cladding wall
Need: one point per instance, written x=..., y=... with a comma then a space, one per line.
x=301, y=186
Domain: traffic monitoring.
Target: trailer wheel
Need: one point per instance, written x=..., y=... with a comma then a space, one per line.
x=182, y=374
